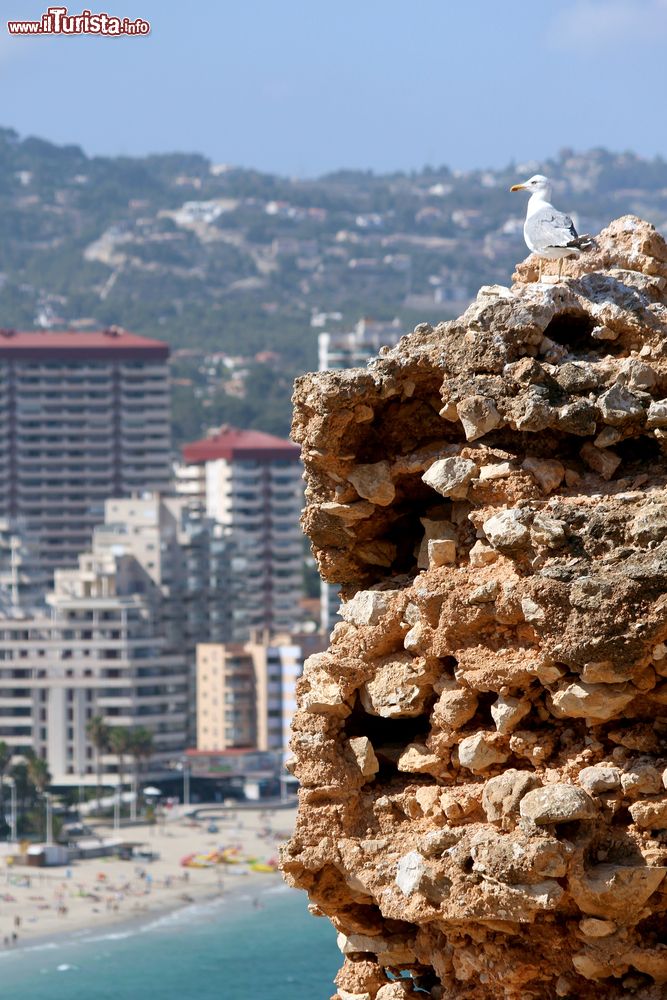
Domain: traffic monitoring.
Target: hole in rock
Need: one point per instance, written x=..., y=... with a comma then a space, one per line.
x=573, y=331
x=385, y=732
x=389, y=737
x=401, y=426
x=642, y=453
x=568, y=831
x=653, y=930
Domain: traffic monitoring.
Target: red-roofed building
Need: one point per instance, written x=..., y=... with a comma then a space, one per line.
x=83, y=416
x=233, y=444
x=251, y=483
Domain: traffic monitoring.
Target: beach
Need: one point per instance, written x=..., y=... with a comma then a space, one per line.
x=37, y=903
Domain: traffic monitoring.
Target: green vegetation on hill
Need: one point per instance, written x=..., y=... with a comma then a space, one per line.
x=216, y=259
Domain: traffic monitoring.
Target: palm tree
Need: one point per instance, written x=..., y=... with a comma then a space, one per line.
x=5, y=761
x=119, y=743
x=98, y=733
x=141, y=748
x=39, y=775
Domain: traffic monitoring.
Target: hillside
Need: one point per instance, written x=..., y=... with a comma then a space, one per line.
x=217, y=259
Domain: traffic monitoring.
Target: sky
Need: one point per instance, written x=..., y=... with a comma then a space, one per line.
x=303, y=87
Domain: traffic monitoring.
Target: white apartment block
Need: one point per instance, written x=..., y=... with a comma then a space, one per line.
x=254, y=489
x=96, y=652
x=355, y=348
x=83, y=416
x=116, y=638
x=23, y=580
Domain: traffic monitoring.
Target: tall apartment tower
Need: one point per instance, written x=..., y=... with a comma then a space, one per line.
x=255, y=491
x=246, y=692
x=83, y=417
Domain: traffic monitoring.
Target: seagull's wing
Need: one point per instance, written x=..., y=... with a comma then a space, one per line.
x=549, y=228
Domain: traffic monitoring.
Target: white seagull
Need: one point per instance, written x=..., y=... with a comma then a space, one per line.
x=549, y=233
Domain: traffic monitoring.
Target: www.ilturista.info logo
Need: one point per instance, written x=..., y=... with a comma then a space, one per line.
x=57, y=21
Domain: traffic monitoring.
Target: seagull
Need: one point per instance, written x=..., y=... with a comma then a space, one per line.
x=549, y=233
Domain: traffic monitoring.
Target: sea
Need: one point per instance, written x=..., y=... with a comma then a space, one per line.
x=265, y=947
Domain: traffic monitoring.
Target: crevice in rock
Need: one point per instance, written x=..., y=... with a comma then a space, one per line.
x=573, y=330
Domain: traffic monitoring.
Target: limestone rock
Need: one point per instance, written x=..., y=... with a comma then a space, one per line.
x=590, y=701
x=366, y=607
x=482, y=554
x=438, y=546
x=507, y=530
x=455, y=706
x=481, y=752
x=650, y=815
x=548, y=472
x=600, y=778
x=614, y=891
x=410, y=872
x=557, y=804
x=373, y=482
x=605, y=462
x=450, y=476
x=417, y=760
x=362, y=748
x=641, y=778
x=508, y=712
x=502, y=794
x=398, y=688
x=479, y=415
x=477, y=753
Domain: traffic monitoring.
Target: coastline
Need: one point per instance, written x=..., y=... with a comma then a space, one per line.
x=124, y=925
x=66, y=905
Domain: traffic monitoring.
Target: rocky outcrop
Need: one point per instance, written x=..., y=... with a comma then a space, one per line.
x=482, y=750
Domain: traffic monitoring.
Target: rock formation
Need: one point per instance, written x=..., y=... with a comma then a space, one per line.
x=481, y=750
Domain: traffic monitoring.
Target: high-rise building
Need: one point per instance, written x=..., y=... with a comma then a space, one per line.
x=96, y=651
x=178, y=558
x=226, y=697
x=83, y=416
x=23, y=580
x=246, y=692
x=255, y=491
x=116, y=637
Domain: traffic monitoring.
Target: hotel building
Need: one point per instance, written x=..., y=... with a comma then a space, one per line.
x=83, y=416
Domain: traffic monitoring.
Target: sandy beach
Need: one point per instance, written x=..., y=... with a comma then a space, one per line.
x=36, y=903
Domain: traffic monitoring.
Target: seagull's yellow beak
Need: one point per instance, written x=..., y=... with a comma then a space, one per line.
x=518, y=187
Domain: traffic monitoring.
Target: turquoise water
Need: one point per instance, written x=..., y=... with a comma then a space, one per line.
x=227, y=950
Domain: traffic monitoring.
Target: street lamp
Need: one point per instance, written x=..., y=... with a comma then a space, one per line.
x=183, y=765
x=12, y=818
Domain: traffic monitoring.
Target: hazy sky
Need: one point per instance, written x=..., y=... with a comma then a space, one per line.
x=307, y=86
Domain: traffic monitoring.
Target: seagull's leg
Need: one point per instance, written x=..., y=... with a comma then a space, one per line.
x=560, y=267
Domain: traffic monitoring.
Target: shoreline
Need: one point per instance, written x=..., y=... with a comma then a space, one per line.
x=69, y=904
x=124, y=924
